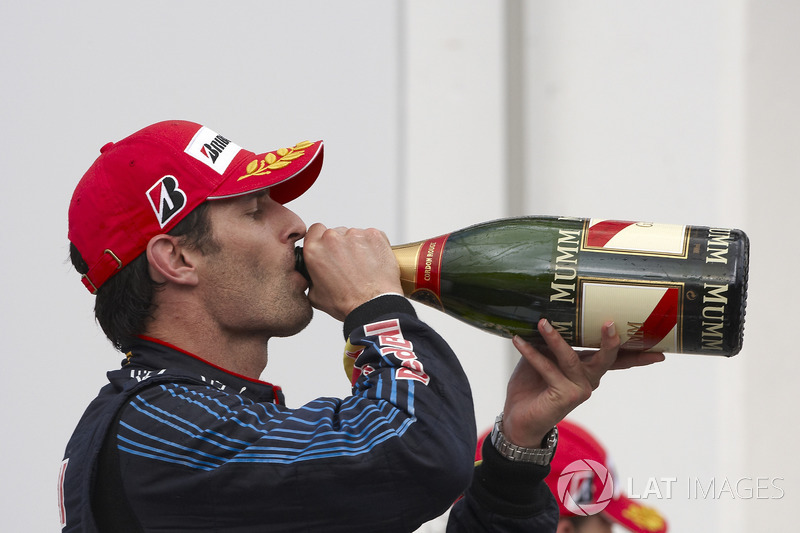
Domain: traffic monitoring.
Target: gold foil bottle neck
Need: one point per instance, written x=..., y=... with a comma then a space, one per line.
x=407, y=256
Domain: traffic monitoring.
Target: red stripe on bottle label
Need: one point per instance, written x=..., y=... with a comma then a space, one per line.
x=648, y=316
x=647, y=238
x=598, y=235
x=660, y=322
x=429, y=264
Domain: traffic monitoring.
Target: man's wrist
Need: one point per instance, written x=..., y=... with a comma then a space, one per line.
x=540, y=456
x=510, y=488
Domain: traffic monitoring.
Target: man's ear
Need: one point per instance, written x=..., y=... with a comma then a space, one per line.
x=170, y=261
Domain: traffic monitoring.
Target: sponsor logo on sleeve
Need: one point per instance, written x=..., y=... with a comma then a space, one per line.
x=395, y=346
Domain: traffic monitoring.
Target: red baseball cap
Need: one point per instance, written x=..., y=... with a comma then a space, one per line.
x=146, y=183
x=582, y=480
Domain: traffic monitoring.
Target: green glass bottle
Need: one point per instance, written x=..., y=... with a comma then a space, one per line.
x=667, y=287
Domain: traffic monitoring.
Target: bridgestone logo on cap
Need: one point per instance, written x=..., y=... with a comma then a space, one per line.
x=212, y=149
x=166, y=199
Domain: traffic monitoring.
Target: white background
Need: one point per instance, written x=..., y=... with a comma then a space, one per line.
x=435, y=115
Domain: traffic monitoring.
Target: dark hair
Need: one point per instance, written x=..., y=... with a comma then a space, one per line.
x=124, y=303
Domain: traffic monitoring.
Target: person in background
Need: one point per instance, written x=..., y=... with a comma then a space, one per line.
x=583, y=481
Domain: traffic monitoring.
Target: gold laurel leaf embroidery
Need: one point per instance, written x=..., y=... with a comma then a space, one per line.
x=272, y=162
x=254, y=168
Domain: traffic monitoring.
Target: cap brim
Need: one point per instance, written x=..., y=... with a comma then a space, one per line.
x=287, y=172
x=634, y=516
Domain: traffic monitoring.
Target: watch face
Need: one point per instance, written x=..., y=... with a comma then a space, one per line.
x=552, y=438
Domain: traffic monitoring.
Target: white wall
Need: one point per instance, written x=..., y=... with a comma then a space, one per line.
x=624, y=121
x=767, y=372
x=670, y=112
x=79, y=74
x=454, y=156
x=435, y=115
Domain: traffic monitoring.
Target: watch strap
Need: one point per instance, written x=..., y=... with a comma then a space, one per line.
x=512, y=452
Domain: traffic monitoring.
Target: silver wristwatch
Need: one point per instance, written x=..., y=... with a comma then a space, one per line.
x=539, y=456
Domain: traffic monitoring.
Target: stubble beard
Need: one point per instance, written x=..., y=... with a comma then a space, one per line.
x=301, y=316
x=258, y=301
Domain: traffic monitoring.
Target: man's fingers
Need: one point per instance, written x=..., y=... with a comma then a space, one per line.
x=606, y=356
x=565, y=355
x=595, y=363
x=551, y=370
x=547, y=369
x=314, y=231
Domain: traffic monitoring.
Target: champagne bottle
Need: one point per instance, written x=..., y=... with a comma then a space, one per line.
x=667, y=287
